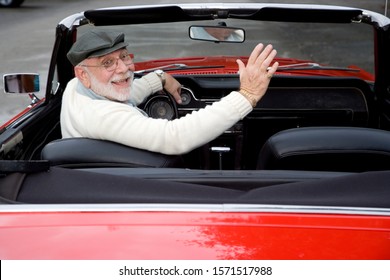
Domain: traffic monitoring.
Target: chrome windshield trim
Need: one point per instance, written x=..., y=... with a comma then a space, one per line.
x=231, y=208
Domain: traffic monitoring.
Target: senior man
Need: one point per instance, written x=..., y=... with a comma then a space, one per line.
x=101, y=101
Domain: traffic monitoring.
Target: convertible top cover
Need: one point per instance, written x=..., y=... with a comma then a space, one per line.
x=60, y=185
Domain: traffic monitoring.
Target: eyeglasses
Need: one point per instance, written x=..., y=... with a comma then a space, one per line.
x=110, y=64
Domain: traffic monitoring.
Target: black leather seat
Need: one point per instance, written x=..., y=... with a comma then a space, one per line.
x=350, y=149
x=84, y=152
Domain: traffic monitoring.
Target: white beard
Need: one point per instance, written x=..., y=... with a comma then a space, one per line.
x=109, y=91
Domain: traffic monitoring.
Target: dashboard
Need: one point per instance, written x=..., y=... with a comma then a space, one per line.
x=289, y=102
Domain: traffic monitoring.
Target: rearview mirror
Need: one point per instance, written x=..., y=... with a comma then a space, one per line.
x=217, y=34
x=21, y=83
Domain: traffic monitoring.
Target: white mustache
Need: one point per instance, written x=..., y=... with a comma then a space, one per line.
x=129, y=75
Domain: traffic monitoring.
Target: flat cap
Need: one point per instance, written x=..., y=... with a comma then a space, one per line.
x=95, y=43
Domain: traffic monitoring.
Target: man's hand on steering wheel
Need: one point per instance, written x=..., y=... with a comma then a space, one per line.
x=173, y=87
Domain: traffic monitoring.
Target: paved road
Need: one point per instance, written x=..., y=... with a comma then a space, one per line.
x=27, y=35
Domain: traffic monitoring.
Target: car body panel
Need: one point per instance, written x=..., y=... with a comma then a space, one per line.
x=167, y=234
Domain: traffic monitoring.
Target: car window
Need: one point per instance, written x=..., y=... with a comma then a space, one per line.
x=324, y=43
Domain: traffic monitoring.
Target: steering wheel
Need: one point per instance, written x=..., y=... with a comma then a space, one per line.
x=161, y=105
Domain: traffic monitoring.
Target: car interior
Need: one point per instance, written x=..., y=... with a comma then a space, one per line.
x=279, y=154
x=312, y=140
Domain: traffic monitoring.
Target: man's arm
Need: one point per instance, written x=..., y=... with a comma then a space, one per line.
x=151, y=83
x=143, y=87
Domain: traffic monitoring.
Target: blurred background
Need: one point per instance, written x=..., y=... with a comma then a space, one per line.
x=27, y=35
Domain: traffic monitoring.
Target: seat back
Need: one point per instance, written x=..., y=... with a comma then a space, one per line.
x=85, y=152
x=350, y=149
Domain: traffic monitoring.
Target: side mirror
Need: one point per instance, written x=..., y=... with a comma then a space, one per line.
x=21, y=83
x=217, y=34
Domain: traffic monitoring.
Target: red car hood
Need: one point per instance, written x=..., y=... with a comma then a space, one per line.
x=228, y=65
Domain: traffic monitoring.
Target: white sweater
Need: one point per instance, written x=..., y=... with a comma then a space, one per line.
x=84, y=116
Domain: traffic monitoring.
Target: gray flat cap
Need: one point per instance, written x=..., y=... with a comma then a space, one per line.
x=94, y=44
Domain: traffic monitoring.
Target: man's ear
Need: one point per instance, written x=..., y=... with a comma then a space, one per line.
x=83, y=76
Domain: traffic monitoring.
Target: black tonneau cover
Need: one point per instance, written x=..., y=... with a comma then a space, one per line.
x=61, y=185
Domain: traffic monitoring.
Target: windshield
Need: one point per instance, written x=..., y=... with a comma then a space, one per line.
x=338, y=45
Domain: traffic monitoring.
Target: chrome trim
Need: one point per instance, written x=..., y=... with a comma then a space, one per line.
x=72, y=20
x=191, y=92
x=231, y=208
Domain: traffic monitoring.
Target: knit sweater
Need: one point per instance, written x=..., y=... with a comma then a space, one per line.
x=92, y=116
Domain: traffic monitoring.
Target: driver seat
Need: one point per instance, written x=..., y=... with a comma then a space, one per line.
x=85, y=152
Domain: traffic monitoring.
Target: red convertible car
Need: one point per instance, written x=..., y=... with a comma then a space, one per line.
x=306, y=175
